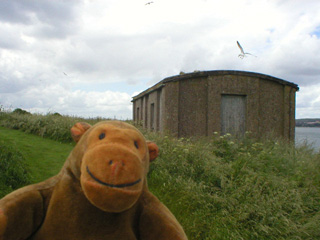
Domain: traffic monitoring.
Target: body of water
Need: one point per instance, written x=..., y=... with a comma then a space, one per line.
x=311, y=135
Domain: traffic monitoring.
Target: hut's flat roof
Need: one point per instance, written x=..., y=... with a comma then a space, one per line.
x=198, y=74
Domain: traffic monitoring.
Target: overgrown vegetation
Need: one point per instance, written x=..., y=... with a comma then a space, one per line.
x=13, y=169
x=53, y=126
x=227, y=189
x=222, y=188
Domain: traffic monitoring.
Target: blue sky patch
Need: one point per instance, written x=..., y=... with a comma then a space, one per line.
x=316, y=32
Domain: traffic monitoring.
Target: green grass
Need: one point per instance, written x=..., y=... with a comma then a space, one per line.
x=218, y=188
x=44, y=157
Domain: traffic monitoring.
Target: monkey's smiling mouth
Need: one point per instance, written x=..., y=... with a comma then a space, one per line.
x=112, y=185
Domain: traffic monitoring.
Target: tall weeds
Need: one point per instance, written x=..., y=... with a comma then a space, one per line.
x=53, y=126
x=222, y=188
x=13, y=169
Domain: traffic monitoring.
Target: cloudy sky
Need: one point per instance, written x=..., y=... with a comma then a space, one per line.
x=89, y=57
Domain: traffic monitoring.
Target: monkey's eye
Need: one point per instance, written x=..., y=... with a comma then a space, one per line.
x=102, y=136
x=136, y=144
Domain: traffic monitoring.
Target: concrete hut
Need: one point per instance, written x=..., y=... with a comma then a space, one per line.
x=204, y=102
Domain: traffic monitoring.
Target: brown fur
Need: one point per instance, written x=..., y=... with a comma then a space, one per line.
x=100, y=193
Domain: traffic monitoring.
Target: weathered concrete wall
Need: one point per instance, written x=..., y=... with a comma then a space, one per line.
x=152, y=111
x=171, y=108
x=138, y=105
x=190, y=105
x=289, y=112
x=193, y=107
x=134, y=103
x=144, y=110
x=271, y=116
x=253, y=107
x=161, y=99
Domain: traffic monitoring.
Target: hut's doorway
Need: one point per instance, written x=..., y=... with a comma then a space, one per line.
x=233, y=115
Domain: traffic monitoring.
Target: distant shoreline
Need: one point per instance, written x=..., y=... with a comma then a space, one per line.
x=308, y=122
x=309, y=126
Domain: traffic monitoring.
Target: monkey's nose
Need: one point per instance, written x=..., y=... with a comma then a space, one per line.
x=116, y=165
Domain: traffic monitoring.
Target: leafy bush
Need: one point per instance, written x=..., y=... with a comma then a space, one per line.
x=13, y=170
x=21, y=111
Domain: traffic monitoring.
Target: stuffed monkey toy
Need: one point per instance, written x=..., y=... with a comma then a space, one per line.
x=101, y=193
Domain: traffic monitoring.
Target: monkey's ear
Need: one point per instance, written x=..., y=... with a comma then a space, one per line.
x=78, y=130
x=153, y=150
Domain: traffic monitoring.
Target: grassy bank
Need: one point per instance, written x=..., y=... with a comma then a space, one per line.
x=43, y=157
x=220, y=188
x=53, y=126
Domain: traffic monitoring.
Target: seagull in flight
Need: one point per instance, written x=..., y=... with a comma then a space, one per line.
x=148, y=3
x=243, y=54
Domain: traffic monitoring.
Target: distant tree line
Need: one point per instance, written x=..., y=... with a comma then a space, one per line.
x=308, y=122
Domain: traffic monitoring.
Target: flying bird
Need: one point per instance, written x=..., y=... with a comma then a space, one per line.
x=148, y=3
x=243, y=54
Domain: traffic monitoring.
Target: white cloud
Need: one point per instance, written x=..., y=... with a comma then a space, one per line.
x=88, y=57
x=78, y=103
x=308, y=102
